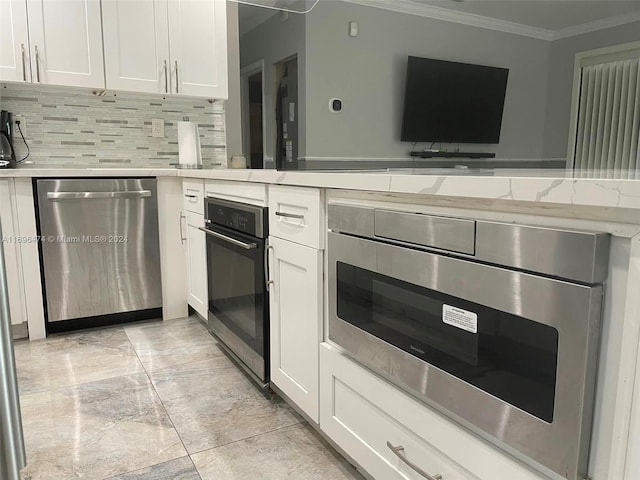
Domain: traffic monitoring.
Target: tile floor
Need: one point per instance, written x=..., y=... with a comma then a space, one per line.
x=156, y=401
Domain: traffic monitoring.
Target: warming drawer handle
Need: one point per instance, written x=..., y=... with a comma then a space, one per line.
x=82, y=195
x=399, y=452
x=246, y=246
x=289, y=215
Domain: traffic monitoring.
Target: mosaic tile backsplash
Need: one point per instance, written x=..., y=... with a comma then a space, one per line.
x=71, y=128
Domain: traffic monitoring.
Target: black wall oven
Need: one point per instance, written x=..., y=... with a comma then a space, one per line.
x=495, y=324
x=238, y=310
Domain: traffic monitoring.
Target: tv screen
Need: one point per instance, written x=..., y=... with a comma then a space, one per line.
x=453, y=102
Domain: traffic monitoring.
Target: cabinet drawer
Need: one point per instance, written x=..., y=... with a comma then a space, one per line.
x=297, y=214
x=245, y=192
x=361, y=412
x=193, y=195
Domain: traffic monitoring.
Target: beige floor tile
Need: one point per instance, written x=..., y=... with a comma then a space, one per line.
x=97, y=430
x=74, y=358
x=295, y=452
x=178, y=469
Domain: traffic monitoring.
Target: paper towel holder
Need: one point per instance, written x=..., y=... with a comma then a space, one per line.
x=189, y=156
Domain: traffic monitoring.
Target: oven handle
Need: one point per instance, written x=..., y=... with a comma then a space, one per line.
x=246, y=246
x=399, y=452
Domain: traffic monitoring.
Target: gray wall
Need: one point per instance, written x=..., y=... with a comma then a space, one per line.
x=276, y=40
x=233, y=117
x=561, y=63
x=368, y=72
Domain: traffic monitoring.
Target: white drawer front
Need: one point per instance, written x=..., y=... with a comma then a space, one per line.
x=193, y=195
x=244, y=192
x=297, y=214
x=362, y=412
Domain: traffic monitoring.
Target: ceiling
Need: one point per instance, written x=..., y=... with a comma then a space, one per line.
x=544, y=19
x=545, y=14
x=250, y=17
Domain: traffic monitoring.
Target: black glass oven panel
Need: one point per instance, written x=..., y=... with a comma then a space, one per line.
x=236, y=286
x=234, y=218
x=510, y=357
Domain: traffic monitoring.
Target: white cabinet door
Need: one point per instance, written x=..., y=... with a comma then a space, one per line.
x=12, y=252
x=198, y=45
x=66, y=42
x=196, y=263
x=136, y=45
x=296, y=322
x=14, y=41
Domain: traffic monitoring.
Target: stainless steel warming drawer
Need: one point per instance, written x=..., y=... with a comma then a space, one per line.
x=496, y=325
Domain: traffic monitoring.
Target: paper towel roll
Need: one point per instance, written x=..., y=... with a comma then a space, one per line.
x=189, y=154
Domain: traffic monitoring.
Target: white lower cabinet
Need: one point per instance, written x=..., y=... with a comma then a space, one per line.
x=366, y=416
x=12, y=252
x=196, y=243
x=296, y=322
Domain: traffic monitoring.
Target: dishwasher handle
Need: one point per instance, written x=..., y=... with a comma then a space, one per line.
x=56, y=196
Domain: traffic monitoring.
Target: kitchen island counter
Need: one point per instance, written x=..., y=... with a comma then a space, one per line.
x=605, y=191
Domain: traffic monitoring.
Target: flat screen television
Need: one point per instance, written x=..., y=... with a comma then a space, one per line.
x=453, y=102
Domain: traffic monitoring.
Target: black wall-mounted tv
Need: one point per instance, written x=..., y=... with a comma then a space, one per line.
x=453, y=102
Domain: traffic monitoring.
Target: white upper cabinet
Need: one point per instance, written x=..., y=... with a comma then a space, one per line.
x=14, y=41
x=65, y=37
x=136, y=45
x=198, y=46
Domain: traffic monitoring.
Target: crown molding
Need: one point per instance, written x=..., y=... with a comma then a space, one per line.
x=596, y=25
x=455, y=16
x=471, y=19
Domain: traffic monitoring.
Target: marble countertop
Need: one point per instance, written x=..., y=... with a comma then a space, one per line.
x=592, y=188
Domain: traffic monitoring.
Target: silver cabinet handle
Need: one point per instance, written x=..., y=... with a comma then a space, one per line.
x=24, y=64
x=267, y=281
x=82, y=195
x=246, y=246
x=399, y=452
x=182, y=237
x=37, y=64
x=290, y=215
x=166, y=78
x=190, y=196
x=177, y=81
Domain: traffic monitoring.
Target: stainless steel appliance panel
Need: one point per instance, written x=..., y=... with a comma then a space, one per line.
x=453, y=234
x=576, y=255
x=12, y=451
x=100, y=248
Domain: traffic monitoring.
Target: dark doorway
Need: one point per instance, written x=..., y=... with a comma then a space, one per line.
x=256, y=145
x=287, y=115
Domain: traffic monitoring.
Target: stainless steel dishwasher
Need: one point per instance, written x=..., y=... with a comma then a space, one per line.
x=99, y=251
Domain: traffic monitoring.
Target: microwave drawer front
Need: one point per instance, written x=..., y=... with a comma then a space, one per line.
x=445, y=233
x=574, y=310
x=193, y=195
x=361, y=412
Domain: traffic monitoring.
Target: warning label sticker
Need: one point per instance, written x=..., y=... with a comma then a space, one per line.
x=460, y=318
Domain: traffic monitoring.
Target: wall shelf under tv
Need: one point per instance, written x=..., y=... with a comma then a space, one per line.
x=453, y=154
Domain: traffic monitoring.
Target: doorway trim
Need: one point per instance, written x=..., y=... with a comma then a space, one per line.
x=245, y=73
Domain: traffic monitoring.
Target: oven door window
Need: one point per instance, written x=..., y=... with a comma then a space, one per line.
x=510, y=357
x=236, y=286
